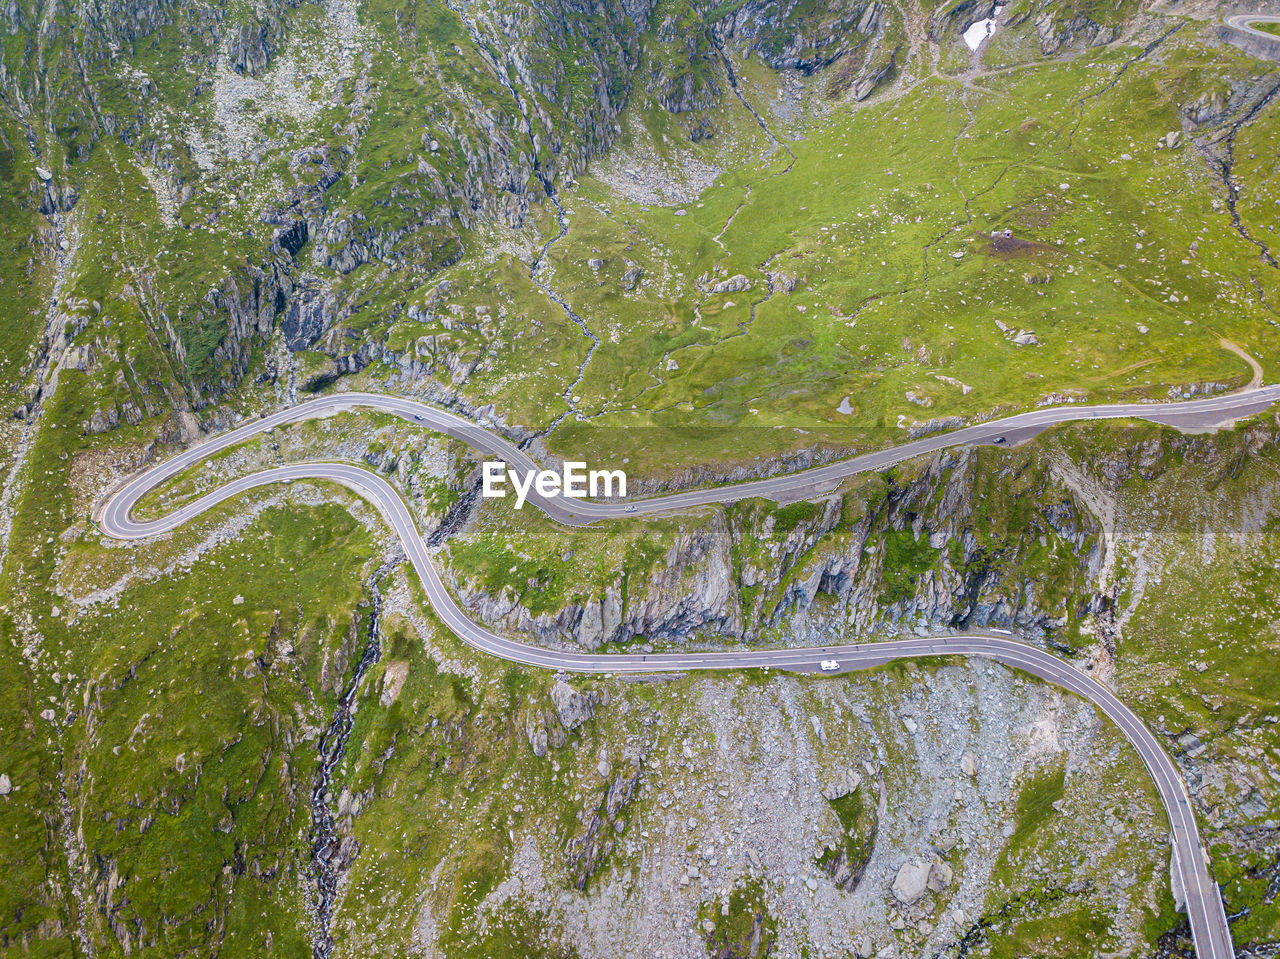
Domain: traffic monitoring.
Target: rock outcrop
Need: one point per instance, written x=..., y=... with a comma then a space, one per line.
x=920, y=557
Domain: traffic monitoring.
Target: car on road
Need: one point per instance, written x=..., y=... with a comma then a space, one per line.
x=631, y=509
x=999, y=441
x=829, y=665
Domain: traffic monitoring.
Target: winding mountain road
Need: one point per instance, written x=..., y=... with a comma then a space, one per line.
x=1200, y=893
x=1246, y=21
x=115, y=511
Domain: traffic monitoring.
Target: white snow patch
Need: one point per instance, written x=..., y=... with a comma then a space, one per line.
x=978, y=32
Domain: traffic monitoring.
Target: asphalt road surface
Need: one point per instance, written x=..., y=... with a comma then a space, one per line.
x=1192, y=414
x=1200, y=893
x=1245, y=21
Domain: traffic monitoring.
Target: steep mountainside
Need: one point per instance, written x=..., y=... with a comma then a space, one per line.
x=706, y=241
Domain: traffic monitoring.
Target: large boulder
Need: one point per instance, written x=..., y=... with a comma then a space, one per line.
x=573, y=708
x=845, y=782
x=911, y=882
x=940, y=876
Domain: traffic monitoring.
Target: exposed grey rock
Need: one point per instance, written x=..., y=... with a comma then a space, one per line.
x=845, y=782
x=940, y=876
x=780, y=282
x=251, y=48
x=798, y=36
x=536, y=730
x=735, y=284
x=631, y=277
x=676, y=605
x=935, y=425
x=601, y=621
x=393, y=679
x=573, y=708
x=870, y=17
x=1078, y=32
x=310, y=314
x=6, y=786
x=867, y=84
x=1209, y=107
x=911, y=882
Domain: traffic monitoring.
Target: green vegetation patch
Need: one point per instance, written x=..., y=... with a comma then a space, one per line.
x=859, y=823
x=1035, y=802
x=740, y=926
x=906, y=559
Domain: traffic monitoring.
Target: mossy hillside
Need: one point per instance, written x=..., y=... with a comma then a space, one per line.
x=1049, y=911
x=547, y=567
x=740, y=923
x=401, y=196
x=209, y=223
x=1022, y=530
x=873, y=265
x=153, y=95
x=27, y=277
x=448, y=793
x=527, y=349
x=681, y=56
x=33, y=909
x=450, y=700
x=26, y=245
x=1198, y=656
x=495, y=321
x=479, y=741
x=1009, y=163
x=452, y=749
x=855, y=249
x=1259, y=172
x=212, y=762
x=1210, y=682
x=107, y=669
x=124, y=278
x=46, y=512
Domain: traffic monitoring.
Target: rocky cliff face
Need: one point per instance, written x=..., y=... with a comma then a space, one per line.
x=344, y=153
x=511, y=103
x=795, y=36
x=692, y=590
x=962, y=541
x=1059, y=27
